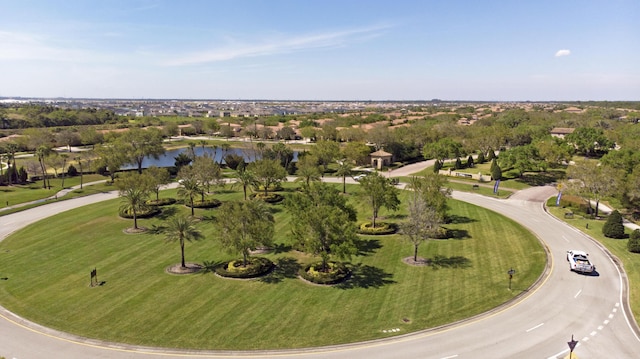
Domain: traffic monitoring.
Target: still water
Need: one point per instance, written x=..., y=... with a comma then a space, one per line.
x=168, y=159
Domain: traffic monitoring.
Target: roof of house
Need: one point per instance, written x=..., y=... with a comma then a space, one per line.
x=562, y=130
x=381, y=153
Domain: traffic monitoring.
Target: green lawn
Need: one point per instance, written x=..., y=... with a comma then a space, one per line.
x=34, y=191
x=48, y=267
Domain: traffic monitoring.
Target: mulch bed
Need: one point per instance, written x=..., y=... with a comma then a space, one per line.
x=179, y=269
x=419, y=263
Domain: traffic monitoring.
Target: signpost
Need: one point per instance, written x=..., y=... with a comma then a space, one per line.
x=511, y=272
x=94, y=278
x=572, y=345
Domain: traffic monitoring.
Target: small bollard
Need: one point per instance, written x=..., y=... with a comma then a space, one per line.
x=587, y=226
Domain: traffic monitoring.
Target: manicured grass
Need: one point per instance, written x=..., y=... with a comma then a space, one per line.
x=48, y=266
x=33, y=191
x=630, y=261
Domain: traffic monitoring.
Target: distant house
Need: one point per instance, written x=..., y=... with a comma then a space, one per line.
x=561, y=132
x=381, y=158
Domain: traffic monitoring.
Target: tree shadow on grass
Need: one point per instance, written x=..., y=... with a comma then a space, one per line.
x=367, y=246
x=209, y=266
x=166, y=213
x=450, y=262
x=455, y=219
x=365, y=276
x=285, y=268
x=457, y=234
x=281, y=248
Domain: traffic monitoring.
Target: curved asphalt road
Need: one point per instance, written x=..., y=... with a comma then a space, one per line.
x=537, y=325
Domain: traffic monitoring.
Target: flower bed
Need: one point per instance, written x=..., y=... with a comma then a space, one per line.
x=381, y=228
x=337, y=273
x=256, y=267
x=161, y=202
x=208, y=203
x=149, y=212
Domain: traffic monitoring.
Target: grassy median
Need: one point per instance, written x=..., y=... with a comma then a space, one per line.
x=48, y=265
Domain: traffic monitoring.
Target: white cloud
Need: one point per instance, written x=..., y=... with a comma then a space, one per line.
x=277, y=45
x=564, y=52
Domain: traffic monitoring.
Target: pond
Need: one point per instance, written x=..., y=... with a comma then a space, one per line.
x=168, y=159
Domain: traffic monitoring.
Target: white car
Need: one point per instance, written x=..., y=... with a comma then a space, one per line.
x=579, y=261
x=358, y=177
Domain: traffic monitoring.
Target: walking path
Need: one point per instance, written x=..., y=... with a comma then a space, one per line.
x=398, y=172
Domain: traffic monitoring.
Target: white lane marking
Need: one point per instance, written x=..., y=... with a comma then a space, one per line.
x=536, y=327
x=562, y=352
x=577, y=294
x=615, y=310
x=610, y=316
x=585, y=339
x=600, y=327
x=593, y=333
x=449, y=357
x=565, y=238
x=606, y=322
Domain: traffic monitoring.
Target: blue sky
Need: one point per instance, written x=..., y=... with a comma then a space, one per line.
x=321, y=49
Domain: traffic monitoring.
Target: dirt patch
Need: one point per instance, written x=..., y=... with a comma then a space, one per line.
x=132, y=230
x=189, y=268
x=419, y=263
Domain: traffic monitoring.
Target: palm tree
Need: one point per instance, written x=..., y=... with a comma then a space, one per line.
x=246, y=179
x=189, y=188
x=134, y=198
x=308, y=170
x=41, y=153
x=181, y=228
x=344, y=170
x=11, y=149
x=225, y=147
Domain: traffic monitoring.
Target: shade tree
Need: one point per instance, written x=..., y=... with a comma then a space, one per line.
x=322, y=222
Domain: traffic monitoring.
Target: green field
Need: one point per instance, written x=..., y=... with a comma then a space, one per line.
x=48, y=266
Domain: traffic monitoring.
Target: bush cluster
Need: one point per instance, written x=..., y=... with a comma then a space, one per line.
x=614, y=228
x=149, y=212
x=207, y=203
x=161, y=202
x=634, y=242
x=269, y=197
x=337, y=273
x=256, y=267
x=381, y=228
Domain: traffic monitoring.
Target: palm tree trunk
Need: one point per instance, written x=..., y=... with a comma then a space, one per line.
x=182, y=263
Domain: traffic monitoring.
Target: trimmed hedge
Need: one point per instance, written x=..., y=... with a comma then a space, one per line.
x=208, y=203
x=256, y=267
x=338, y=272
x=269, y=198
x=161, y=202
x=382, y=228
x=150, y=212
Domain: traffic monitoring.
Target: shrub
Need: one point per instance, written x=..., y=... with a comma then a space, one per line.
x=161, y=202
x=381, y=228
x=614, y=228
x=337, y=273
x=256, y=267
x=207, y=203
x=269, y=197
x=72, y=171
x=634, y=242
x=149, y=212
